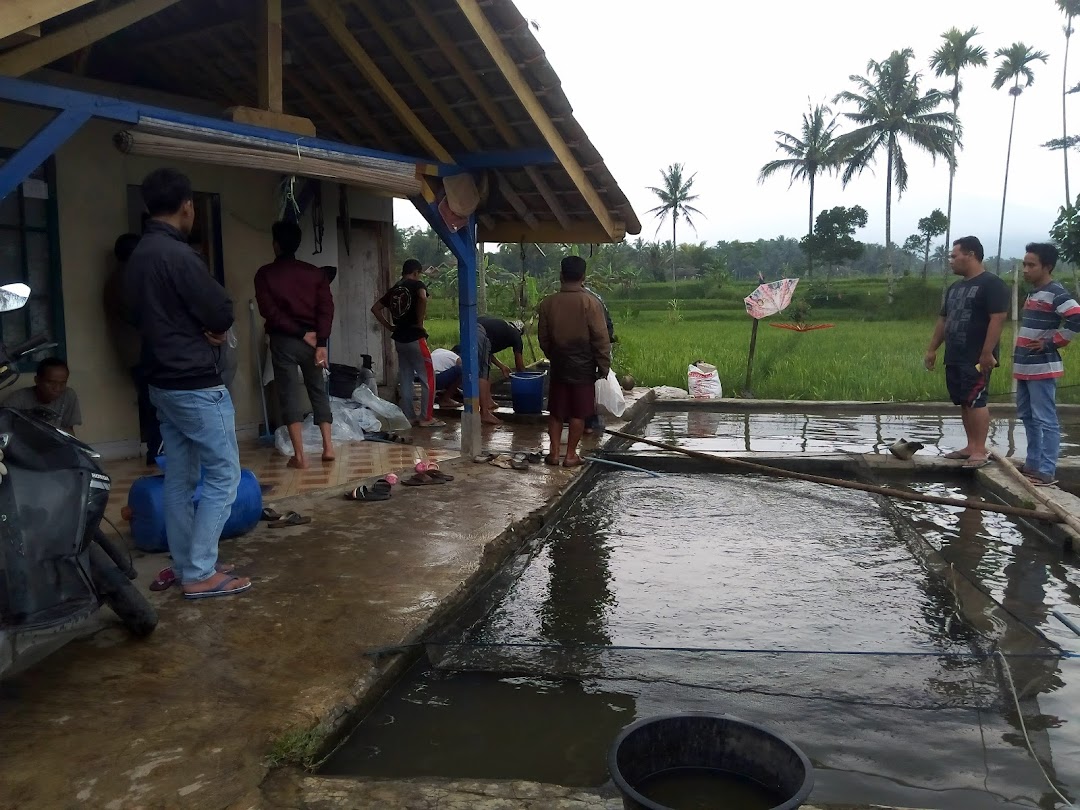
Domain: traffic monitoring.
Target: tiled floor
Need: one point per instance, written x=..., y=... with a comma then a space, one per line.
x=354, y=462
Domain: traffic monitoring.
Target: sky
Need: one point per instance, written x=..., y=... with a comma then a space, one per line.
x=706, y=83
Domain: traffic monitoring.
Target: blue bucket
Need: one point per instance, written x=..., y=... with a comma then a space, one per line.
x=527, y=391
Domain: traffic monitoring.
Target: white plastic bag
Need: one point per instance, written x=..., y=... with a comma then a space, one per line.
x=390, y=415
x=670, y=392
x=350, y=421
x=703, y=381
x=609, y=396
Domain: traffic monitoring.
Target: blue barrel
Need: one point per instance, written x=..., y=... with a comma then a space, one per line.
x=527, y=391
x=147, y=503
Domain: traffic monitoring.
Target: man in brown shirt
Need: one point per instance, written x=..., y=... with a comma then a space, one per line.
x=295, y=299
x=573, y=335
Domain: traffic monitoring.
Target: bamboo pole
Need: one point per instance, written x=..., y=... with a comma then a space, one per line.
x=1068, y=519
x=965, y=503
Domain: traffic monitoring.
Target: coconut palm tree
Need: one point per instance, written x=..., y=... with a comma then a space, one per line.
x=1071, y=9
x=954, y=55
x=807, y=156
x=675, y=199
x=1015, y=67
x=890, y=109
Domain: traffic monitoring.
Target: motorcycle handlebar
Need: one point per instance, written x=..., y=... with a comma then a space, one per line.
x=15, y=352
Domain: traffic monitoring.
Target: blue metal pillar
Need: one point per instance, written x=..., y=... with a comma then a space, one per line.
x=471, y=439
x=462, y=244
x=40, y=148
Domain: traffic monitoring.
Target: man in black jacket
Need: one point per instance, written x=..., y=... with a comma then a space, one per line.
x=183, y=315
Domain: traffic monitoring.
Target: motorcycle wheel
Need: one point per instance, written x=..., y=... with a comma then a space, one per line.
x=116, y=590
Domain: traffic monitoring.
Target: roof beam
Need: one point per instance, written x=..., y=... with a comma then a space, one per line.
x=278, y=120
x=518, y=204
x=334, y=21
x=420, y=78
x=16, y=17
x=540, y=117
x=457, y=60
x=344, y=95
x=39, y=53
x=576, y=232
x=269, y=60
x=28, y=35
x=416, y=73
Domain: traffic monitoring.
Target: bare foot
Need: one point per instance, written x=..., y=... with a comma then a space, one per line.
x=216, y=582
x=328, y=455
x=297, y=463
x=573, y=461
x=490, y=419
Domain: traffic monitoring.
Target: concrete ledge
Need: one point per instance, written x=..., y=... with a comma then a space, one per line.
x=314, y=793
x=832, y=406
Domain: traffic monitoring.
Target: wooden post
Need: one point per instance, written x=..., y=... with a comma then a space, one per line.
x=747, y=392
x=481, y=271
x=270, y=75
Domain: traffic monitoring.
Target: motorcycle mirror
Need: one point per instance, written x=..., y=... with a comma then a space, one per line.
x=13, y=296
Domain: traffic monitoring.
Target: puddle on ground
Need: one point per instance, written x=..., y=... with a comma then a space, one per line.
x=714, y=431
x=782, y=603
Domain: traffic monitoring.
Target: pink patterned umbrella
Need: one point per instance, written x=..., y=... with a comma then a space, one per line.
x=769, y=299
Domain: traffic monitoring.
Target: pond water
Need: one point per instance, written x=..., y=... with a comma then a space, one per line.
x=861, y=633
x=716, y=431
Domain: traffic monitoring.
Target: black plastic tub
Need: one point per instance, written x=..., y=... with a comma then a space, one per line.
x=740, y=757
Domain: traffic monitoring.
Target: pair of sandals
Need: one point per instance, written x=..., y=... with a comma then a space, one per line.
x=551, y=461
x=166, y=578
x=1036, y=478
x=431, y=475
x=387, y=438
x=379, y=491
x=277, y=520
x=969, y=462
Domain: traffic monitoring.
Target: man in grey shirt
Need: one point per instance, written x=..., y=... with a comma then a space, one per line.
x=49, y=399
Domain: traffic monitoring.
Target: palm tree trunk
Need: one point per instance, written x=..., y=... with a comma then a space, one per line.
x=810, y=232
x=674, y=284
x=926, y=261
x=1064, y=109
x=1005, y=189
x=952, y=164
x=888, y=225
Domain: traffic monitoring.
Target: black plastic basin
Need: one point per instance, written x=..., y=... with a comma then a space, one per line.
x=733, y=755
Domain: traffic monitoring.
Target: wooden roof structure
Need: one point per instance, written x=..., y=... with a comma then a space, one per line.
x=445, y=80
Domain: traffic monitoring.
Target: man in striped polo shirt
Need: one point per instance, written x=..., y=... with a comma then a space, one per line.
x=1051, y=320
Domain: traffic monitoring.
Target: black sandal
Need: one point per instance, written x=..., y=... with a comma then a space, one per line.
x=380, y=491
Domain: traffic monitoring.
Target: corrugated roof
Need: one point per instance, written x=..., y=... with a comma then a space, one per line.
x=430, y=54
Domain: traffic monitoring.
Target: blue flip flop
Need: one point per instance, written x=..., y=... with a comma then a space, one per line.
x=221, y=590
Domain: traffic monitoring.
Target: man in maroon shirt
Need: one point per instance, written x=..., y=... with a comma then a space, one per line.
x=294, y=297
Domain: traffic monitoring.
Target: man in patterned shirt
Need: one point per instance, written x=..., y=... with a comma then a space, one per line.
x=1051, y=320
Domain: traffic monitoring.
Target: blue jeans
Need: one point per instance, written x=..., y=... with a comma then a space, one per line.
x=1036, y=409
x=448, y=378
x=199, y=430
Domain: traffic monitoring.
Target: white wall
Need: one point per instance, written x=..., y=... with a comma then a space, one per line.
x=92, y=180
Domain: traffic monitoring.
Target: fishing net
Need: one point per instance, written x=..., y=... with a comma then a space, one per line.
x=837, y=619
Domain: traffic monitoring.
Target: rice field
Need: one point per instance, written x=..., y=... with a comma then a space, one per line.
x=854, y=360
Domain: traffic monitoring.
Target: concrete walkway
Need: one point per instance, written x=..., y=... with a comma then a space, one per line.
x=434, y=794
x=187, y=718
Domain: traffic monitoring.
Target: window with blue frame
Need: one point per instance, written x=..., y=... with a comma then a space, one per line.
x=29, y=252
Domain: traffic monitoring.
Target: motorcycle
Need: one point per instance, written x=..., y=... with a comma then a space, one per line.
x=57, y=568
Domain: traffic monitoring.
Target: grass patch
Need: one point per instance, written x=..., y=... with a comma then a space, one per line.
x=855, y=360
x=295, y=747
